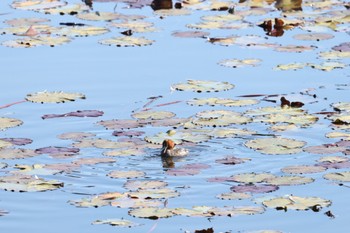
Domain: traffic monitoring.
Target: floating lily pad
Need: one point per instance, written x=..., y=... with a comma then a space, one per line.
x=126, y=152
x=70, y=9
x=6, y=123
x=121, y=124
x=117, y=222
x=230, y=132
x=97, y=200
x=252, y=177
x=79, y=113
x=313, y=36
x=338, y=176
x=35, y=169
x=53, y=97
x=291, y=66
x=102, y=144
x=203, y=86
x=253, y=188
x=178, y=137
x=289, y=180
x=75, y=135
x=151, y=213
x=129, y=202
x=190, y=34
x=18, y=141
x=231, y=160
x=126, y=41
x=333, y=159
x=57, y=150
x=154, y=193
x=37, y=4
x=81, y=31
x=25, y=21
x=303, y=120
x=93, y=161
x=276, y=146
x=296, y=203
x=275, y=110
x=334, y=55
x=303, y=169
x=20, y=183
x=220, y=118
x=135, y=26
x=235, y=63
x=172, y=12
x=99, y=16
x=234, y=196
x=235, y=211
x=153, y=115
x=16, y=153
x=126, y=174
x=36, y=41
x=224, y=102
x=328, y=66
x=295, y=48
x=3, y=165
x=325, y=149
x=144, y=184
x=223, y=41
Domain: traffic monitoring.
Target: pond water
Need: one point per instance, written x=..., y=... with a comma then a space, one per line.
x=120, y=80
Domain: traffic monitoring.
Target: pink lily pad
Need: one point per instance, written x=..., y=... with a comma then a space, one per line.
x=343, y=47
x=252, y=188
x=57, y=150
x=336, y=165
x=79, y=113
x=18, y=141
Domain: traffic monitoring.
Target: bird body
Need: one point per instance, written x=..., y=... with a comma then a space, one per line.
x=169, y=150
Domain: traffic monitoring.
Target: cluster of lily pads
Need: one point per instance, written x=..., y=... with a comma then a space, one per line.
x=147, y=198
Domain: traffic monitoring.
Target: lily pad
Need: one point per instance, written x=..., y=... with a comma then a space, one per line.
x=159, y=193
x=37, y=4
x=236, y=63
x=16, y=153
x=203, y=86
x=126, y=174
x=276, y=146
x=303, y=169
x=151, y=213
x=79, y=113
x=99, y=16
x=6, y=123
x=75, y=135
x=314, y=36
x=144, y=184
x=178, y=137
x=231, y=160
x=129, y=202
x=17, y=141
x=20, y=183
x=117, y=223
x=219, y=118
x=53, y=97
x=93, y=161
x=35, y=169
x=97, y=200
x=252, y=188
x=289, y=180
x=213, y=101
x=36, y=41
x=121, y=124
x=338, y=176
x=234, y=196
x=296, y=202
x=252, y=177
x=190, y=34
x=126, y=41
x=153, y=115
x=126, y=152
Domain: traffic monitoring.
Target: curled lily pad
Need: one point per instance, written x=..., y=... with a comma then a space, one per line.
x=224, y=102
x=117, y=222
x=296, y=203
x=126, y=41
x=53, y=97
x=203, y=86
x=153, y=115
x=151, y=213
x=235, y=63
x=6, y=123
x=275, y=146
x=338, y=176
x=20, y=183
x=220, y=118
x=126, y=174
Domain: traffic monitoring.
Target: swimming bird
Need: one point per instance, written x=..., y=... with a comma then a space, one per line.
x=169, y=150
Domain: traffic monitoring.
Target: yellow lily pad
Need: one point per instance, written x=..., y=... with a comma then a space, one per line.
x=116, y=222
x=235, y=63
x=342, y=106
x=345, y=136
x=53, y=97
x=276, y=146
x=126, y=174
x=296, y=203
x=213, y=101
x=6, y=122
x=203, y=86
x=338, y=176
x=291, y=66
x=126, y=41
x=153, y=115
x=37, y=4
x=334, y=55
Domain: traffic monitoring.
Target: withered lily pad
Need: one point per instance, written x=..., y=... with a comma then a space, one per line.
x=121, y=124
x=25, y=21
x=82, y=31
x=144, y=184
x=203, y=86
x=235, y=63
x=126, y=152
x=303, y=169
x=213, y=101
x=35, y=169
x=6, y=123
x=253, y=188
x=338, y=176
x=230, y=132
x=313, y=36
x=129, y=202
x=117, y=222
x=151, y=213
x=325, y=149
x=126, y=41
x=172, y=12
x=54, y=97
x=19, y=183
x=295, y=48
x=126, y=174
x=99, y=16
x=190, y=34
x=252, y=177
x=296, y=203
x=135, y=26
x=276, y=146
x=70, y=9
x=16, y=153
x=57, y=150
x=93, y=161
x=153, y=115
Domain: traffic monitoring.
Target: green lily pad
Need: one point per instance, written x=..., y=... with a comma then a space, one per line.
x=117, y=223
x=20, y=183
x=203, y=86
x=276, y=146
x=53, y=97
x=6, y=123
x=296, y=203
x=338, y=176
x=126, y=41
x=153, y=115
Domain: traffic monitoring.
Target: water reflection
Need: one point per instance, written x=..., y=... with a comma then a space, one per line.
x=276, y=30
x=162, y=4
x=167, y=162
